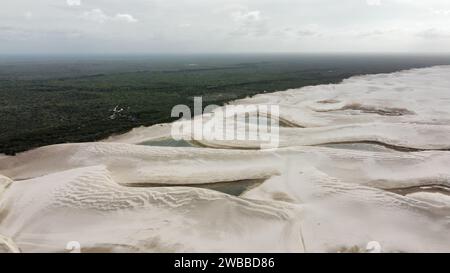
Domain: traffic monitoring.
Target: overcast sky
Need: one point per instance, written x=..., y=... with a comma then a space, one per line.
x=197, y=26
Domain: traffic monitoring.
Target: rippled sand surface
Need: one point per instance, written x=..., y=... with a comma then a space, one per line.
x=360, y=161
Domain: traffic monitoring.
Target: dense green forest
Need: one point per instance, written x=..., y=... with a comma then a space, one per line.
x=48, y=101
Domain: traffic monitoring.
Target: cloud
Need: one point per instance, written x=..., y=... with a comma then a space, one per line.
x=73, y=3
x=28, y=15
x=229, y=25
x=95, y=15
x=433, y=33
x=98, y=16
x=246, y=17
x=444, y=12
x=16, y=34
x=374, y=33
x=306, y=32
x=125, y=17
x=184, y=25
x=373, y=2
x=309, y=30
x=249, y=23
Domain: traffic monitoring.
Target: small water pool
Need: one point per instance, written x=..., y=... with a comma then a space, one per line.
x=235, y=188
x=168, y=142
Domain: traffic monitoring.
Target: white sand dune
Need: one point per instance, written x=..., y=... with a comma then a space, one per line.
x=398, y=136
x=416, y=96
x=7, y=245
x=86, y=205
x=378, y=169
x=143, y=164
x=338, y=215
x=437, y=199
x=313, y=199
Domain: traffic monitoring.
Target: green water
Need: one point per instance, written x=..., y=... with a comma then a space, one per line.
x=359, y=147
x=235, y=188
x=168, y=142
